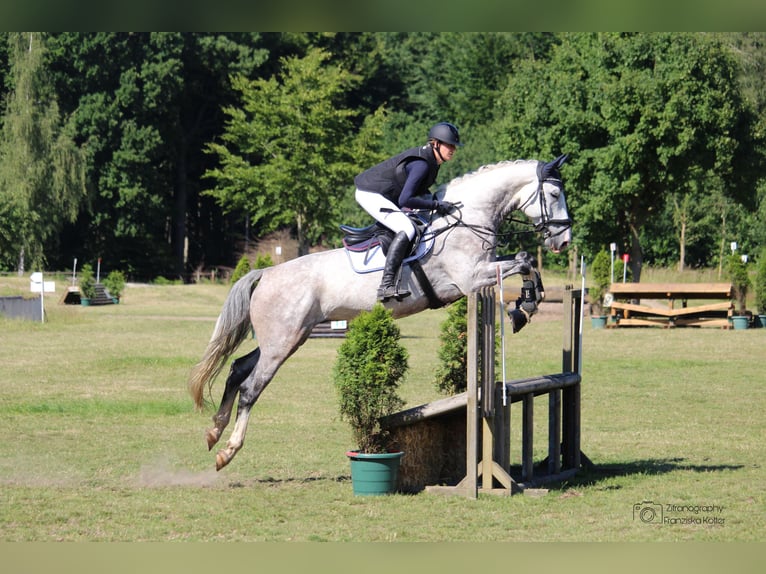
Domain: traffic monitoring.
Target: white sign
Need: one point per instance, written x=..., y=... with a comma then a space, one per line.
x=45, y=286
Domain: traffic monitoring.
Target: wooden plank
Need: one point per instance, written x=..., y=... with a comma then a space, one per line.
x=643, y=323
x=671, y=290
x=541, y=384
x=722, y=323
x=428, y=410
x=667, y=312
x=644, y=309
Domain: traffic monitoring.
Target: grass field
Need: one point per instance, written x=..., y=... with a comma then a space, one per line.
x=101, y=441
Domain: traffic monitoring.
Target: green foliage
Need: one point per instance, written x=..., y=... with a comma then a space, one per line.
x=740, y=280
x=114, y=283
x=600, y=275
x=649, y=119
x=451, y=372
x=42, y=179
x=760, y=283
x=263, y=261
x=642, y=115
x=370, y=365
x=287, y=151
x=242, y=269
x=87, y=282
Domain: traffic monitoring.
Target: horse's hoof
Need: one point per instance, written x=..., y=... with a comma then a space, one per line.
x=212, y=436
x=221, y=460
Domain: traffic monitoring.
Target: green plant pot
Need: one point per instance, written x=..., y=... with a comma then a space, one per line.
x=740, y=322
x=85, y=301
x=598, y=321
x=374, y=474
x=761, y=321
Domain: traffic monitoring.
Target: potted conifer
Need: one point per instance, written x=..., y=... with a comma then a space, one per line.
x=369, y=368
x=760, y=288
x=601, y=275
x=114, y=283
x=87, y=283
x=740, y=281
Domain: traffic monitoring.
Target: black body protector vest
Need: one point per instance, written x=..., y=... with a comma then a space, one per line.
x=388, y=177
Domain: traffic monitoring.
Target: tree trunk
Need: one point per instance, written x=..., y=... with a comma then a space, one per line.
x=636, y=255
x=179, y=212
x=682, y=245
x=303, y=247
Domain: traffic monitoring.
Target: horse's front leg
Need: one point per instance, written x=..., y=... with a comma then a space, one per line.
x=532, y=291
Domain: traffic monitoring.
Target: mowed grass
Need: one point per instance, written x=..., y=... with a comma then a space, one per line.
x=101, y=441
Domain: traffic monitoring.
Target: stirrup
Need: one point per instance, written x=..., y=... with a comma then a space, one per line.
x=386, y=293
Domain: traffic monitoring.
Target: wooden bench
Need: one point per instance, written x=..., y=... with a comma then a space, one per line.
x=628, y=306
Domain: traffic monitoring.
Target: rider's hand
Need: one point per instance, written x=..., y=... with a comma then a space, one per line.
x=443, y=207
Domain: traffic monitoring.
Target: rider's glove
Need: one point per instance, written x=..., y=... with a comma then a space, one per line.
x=443, y=207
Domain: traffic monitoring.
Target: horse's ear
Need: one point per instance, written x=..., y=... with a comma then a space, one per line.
x=559, y=161
x=551, y=169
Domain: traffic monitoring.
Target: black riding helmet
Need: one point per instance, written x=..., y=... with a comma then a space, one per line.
x=445, y=132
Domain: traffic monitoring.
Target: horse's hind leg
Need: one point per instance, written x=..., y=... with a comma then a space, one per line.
x=239, y=371
x=271, y=358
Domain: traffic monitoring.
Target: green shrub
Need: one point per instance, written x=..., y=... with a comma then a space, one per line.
x=263, y=261
x=370, y=365
x=451, y=374
x=760, y=283
x=242, y=269
x=115, y=283
x=87, y=282
x=740, y=280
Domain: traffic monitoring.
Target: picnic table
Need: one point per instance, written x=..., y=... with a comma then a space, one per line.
x=654, y=304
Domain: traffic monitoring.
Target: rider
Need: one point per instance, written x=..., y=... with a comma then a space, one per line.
x=401, y=182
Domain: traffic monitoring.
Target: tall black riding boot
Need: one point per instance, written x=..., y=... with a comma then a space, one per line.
x=397, y=251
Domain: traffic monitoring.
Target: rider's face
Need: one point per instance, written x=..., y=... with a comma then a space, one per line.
x=444, y=151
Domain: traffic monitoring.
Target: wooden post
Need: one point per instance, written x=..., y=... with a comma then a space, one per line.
x=573, y=301
x=472, y=408
x=527, y=436
x=554, y=432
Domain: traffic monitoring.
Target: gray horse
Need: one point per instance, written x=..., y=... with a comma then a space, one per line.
x=282, y=304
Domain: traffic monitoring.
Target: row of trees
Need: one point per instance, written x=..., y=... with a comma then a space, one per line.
x=167, y=152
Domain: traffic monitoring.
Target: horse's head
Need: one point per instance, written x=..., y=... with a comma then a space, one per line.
x=546, y=206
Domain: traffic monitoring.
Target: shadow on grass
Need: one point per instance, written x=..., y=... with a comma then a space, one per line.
x=291, y=480
x=593, y=474
x=589, y=475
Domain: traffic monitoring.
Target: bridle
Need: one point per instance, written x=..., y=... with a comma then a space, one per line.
x=545, y=219
x=490, y=237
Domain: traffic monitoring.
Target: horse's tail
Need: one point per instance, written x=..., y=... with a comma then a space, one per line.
x=231, y=328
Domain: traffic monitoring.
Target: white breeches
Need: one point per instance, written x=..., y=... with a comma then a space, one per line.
x=384, y=211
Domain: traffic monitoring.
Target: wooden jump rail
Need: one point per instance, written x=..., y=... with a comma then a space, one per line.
x=625, y=311
x=488, y=419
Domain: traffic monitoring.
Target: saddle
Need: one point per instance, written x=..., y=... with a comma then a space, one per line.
x=367, y=247
x=365, y=239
